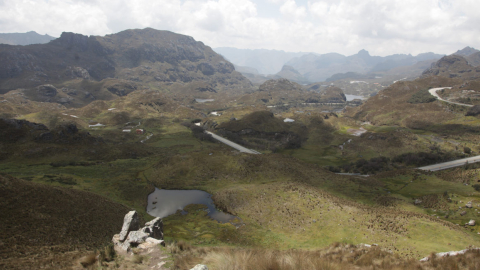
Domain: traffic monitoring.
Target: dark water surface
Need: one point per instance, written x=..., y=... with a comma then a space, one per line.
x=162, y=203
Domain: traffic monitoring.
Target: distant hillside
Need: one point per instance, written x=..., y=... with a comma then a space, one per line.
x=278, y=92
x=28, y=38
x=318, y=68
x=265, y=61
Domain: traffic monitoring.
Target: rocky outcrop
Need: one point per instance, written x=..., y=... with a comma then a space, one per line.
x=132, y=235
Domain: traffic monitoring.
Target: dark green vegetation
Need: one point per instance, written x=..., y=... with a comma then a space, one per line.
x=422, y=96
x=261, y=130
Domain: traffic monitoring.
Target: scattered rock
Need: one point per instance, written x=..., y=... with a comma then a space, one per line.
x=463, y=213
x=417, y=202
x=448, y=254
x=200, y=267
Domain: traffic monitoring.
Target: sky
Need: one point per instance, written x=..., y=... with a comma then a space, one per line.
x=382, y=27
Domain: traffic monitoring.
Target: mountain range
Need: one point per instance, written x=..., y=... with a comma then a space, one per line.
x=28, y=38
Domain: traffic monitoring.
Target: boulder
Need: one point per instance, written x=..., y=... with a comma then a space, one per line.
x=130, y=223
x=463, y=213
x=417, y=201
x=154, y=228
x=471, y=223
x=468, y=205
x=200, y=267
x=150, y=243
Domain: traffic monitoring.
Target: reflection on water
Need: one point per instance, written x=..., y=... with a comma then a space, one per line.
x=352, y=97
x=162, y=203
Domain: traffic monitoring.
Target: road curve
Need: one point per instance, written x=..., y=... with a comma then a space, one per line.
x=433, y=92
x=232, y=144
x=450, y=164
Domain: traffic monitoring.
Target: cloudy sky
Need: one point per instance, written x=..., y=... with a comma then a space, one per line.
x=382, y=27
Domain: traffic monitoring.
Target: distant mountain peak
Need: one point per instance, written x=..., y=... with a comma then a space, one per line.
x=363, y=53
x=466, y=51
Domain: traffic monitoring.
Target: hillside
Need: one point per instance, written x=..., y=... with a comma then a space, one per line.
x=44, y=226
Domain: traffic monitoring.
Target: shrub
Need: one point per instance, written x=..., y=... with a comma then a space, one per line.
x=475, y=110
x=422, y=96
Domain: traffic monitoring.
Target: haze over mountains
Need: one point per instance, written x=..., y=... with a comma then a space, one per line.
x=318, y=67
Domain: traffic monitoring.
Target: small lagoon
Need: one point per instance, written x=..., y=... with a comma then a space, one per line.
x=162, y=203
x=201, y=100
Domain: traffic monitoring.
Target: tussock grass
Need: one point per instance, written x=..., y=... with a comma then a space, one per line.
x=336, y=256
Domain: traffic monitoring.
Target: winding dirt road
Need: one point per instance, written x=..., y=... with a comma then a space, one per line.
x=232, y=144
x=433, y=92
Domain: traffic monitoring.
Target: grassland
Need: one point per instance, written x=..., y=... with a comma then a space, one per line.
x=285, y=200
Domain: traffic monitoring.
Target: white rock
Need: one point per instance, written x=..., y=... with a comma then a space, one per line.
x=200, y=267
x=130, y=223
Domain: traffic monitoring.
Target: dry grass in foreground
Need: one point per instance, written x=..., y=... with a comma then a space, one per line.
x=336, y=256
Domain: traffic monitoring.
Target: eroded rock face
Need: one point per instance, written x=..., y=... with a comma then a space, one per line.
x=132, y=236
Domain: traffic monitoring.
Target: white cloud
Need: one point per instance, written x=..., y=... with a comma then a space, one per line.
x=345, y=26
x=290, y=9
